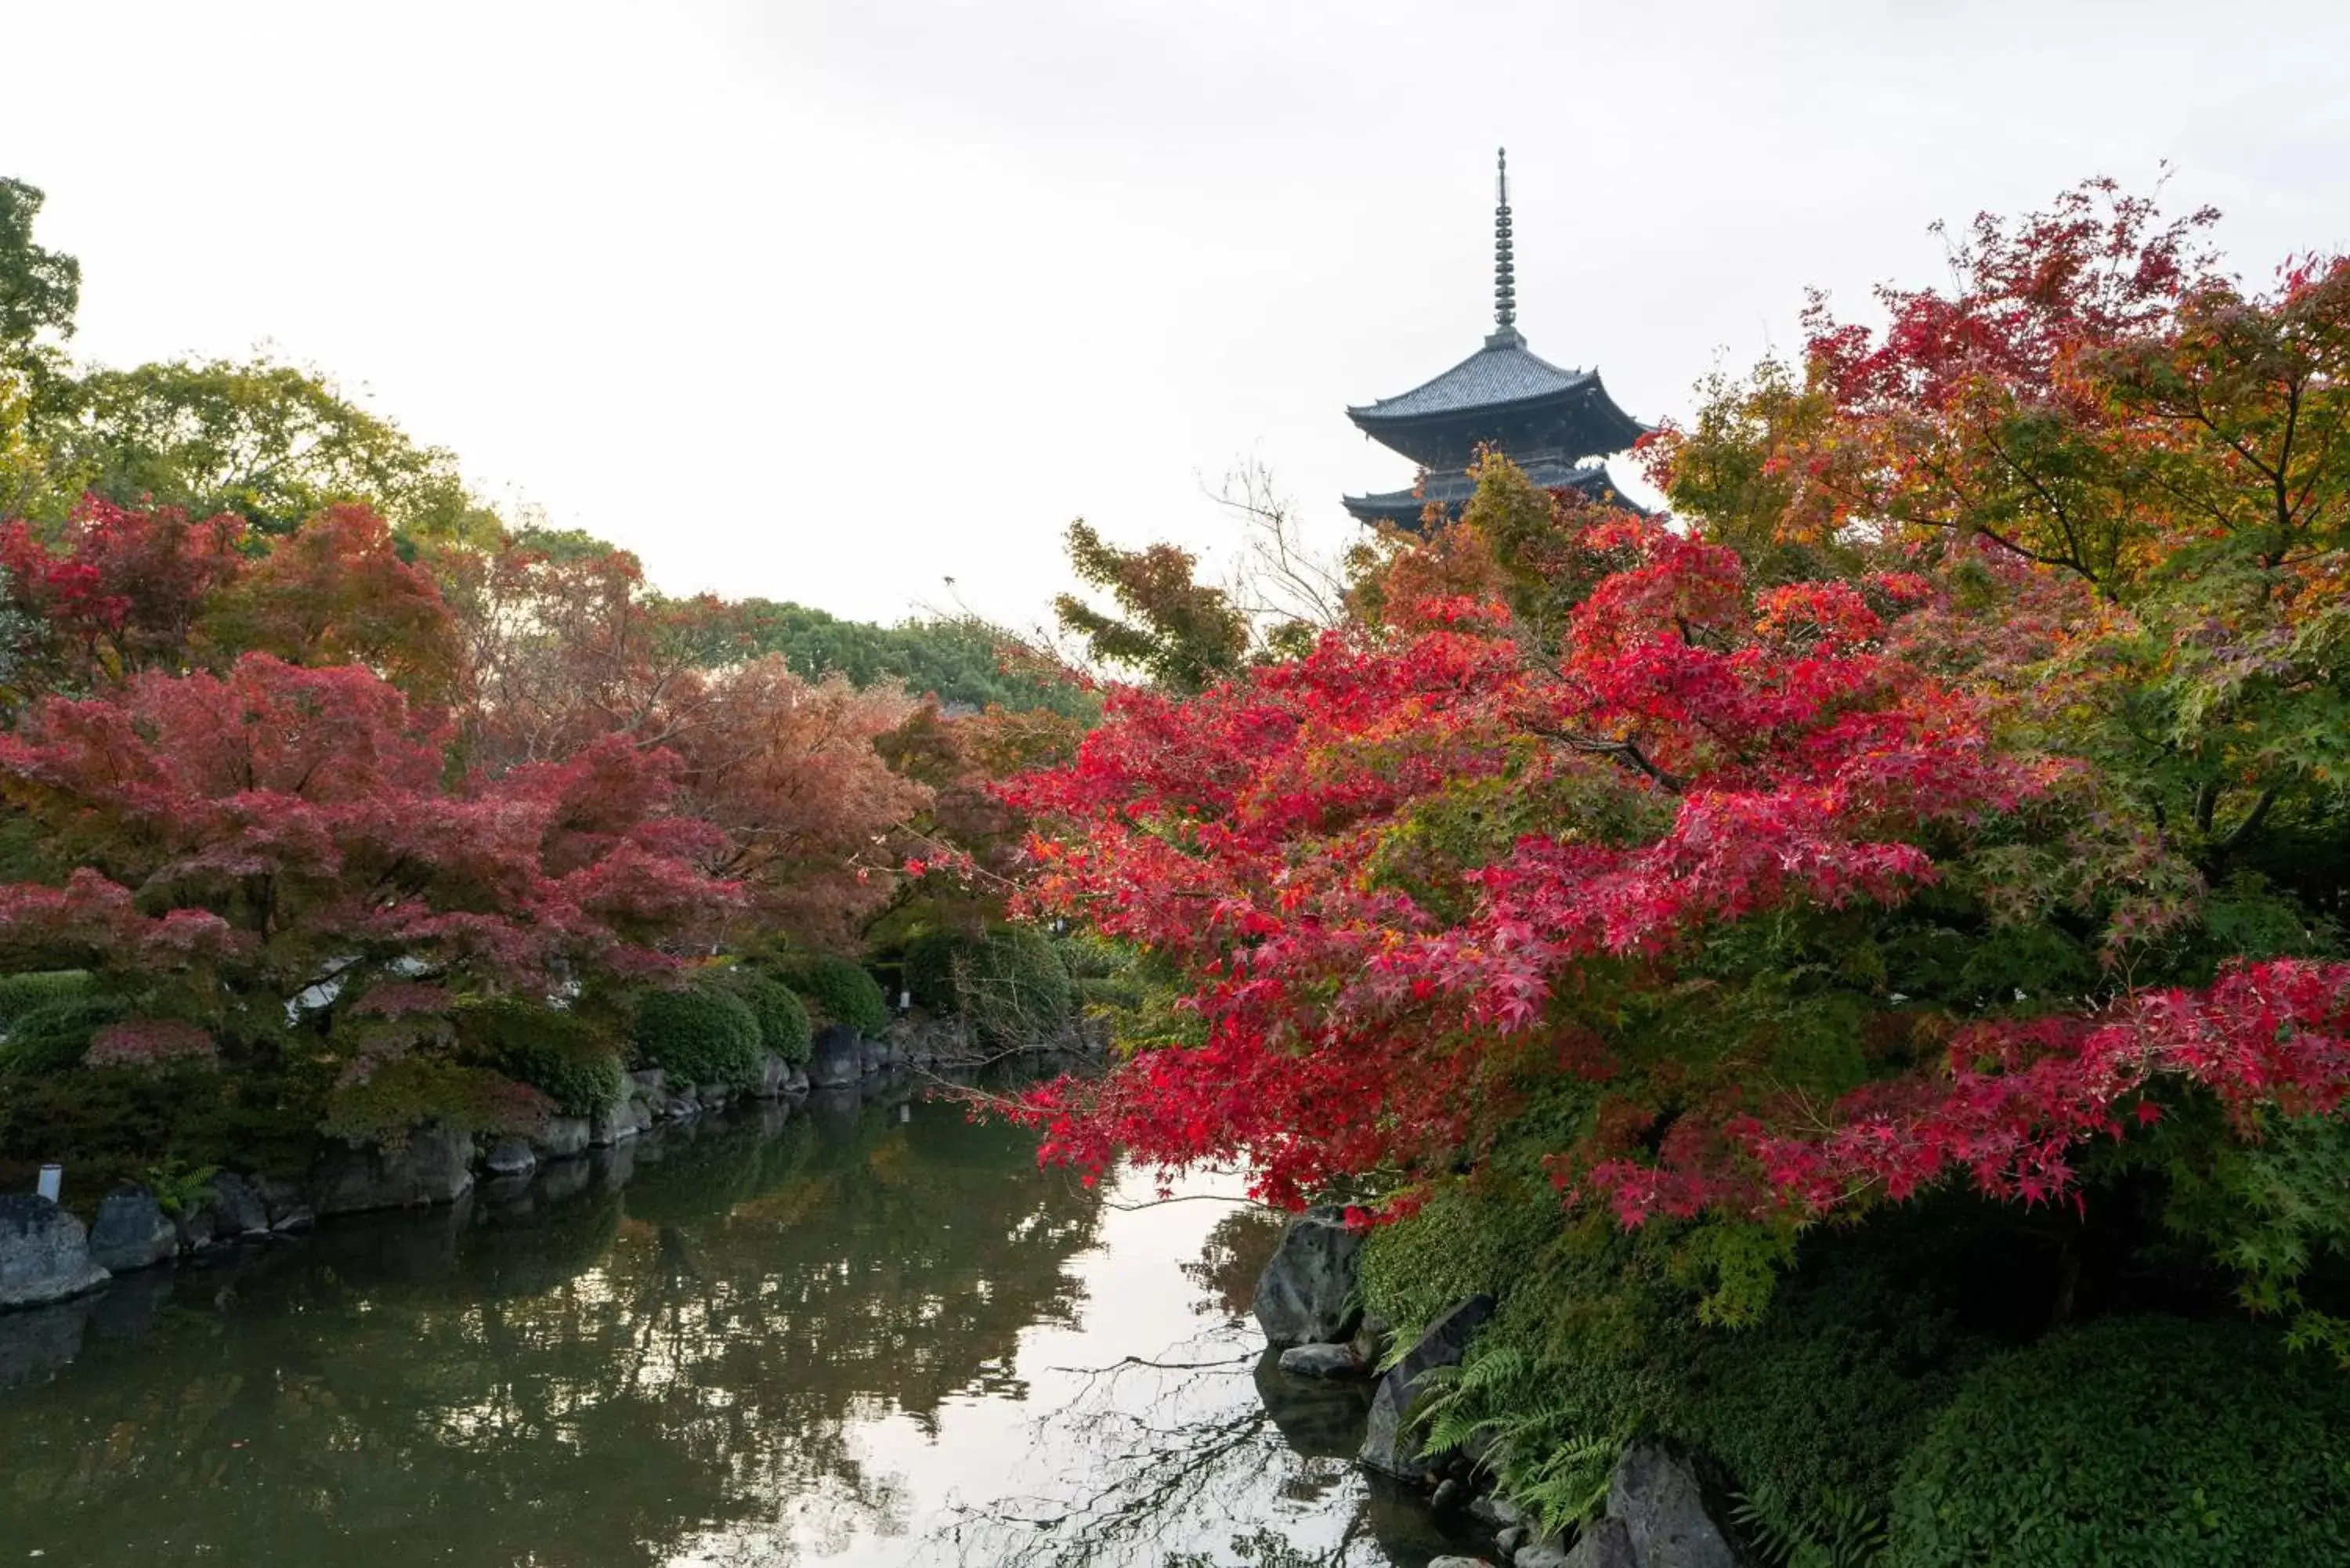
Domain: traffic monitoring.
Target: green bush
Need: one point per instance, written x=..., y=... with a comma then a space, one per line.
x=2149, y=1442
x=563, y=1056
x=837, y=991
x=21, y=993
x=114, y=1124
x=699, y=1034
x=1009, y=981
x=52, y=1037
x=399, y=1096
x=784, y=1025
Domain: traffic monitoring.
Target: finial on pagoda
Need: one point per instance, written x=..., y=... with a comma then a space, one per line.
x=1505, y=289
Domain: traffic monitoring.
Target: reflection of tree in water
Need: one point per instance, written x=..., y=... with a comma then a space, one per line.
x=662, y=1356
x=1212, y=1430
x=1231, y=1260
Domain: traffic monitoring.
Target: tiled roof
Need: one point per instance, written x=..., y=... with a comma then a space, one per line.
x=1451, y=490
x=1501, y=372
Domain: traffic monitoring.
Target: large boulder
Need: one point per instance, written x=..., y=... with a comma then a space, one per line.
x=621, y=1120
x=836, y=1058
x=775, y=1076
x=434, y=1166
x=288, y=1204
x=238, y=1207
x=1607, y=1544
x=1386, y=1446
x=44, y=1252
x=132, y=1232
x=511, y=1156
x=1306, y=1295
x=562, y=1137
x=1670, y=1518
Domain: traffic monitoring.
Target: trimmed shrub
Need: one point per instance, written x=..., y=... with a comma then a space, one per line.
x=784, y=1024
x=837, y=991
x=21, y=993
x=562, y=1055
x=700, y=1034
x=53, y=1036
x=2153, y=1442
x=399, y=1096
x=1009, y=981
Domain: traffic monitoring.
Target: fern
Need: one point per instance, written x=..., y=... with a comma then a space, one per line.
x=1555, y=1472
x=1838, y=1531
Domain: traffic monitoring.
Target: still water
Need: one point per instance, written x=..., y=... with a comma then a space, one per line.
x=872, y=1331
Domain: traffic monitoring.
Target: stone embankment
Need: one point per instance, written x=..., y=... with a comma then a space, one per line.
x=46, y=1254
x=1663, y=1510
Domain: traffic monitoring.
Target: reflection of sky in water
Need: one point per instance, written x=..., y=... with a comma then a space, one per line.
x=841, y=1338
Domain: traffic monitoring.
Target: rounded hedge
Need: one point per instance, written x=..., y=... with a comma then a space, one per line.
x=784, y=1024
x=553, y=1050
x=700, y=1034
x=2150, y=1442
x=1009, y=981
x=52, y=1037
x=838, y=990
x=21, y=993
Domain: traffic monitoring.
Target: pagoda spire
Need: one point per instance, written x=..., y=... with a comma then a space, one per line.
x=1505, y=287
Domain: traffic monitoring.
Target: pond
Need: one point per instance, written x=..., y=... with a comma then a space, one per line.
x=869, y=1331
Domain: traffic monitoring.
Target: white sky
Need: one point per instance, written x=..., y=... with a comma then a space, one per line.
x=830, y=302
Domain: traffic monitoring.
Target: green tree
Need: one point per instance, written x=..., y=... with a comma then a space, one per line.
x=1180, y=633
x=40, y=289
x=273, y=443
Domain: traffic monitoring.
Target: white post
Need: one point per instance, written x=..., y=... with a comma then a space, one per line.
x=53, y=1181
x=905, y=1000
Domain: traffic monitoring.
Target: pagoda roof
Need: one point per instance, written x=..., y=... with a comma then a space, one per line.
x=1452, y=491
x=1500, y=373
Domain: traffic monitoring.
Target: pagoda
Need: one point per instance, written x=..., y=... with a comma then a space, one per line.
x=1557, y=424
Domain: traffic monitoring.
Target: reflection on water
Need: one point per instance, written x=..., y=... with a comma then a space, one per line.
x=838, y=1334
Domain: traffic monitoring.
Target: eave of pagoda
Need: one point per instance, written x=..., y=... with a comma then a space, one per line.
x=1577, y=421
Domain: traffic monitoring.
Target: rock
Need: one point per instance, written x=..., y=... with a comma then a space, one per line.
x=774, y=1073
x=1669, y=1519
x=194, y=1224
x=1306, y=1292
x=714, y=1097
x=1507, y=1542
x=1322, y=1361
x=288, y=1202
x=1496, y=1512
x=562, y=1137
x=1607, y=1544
x=132, y=1232
x=44, y=1252
x=512, y=1157
x=648, y=1080
x=837, y=1058
x=1445, y=1497
x=1541, y=1555
x=434, y=1166
x=1458, y=1562
x=1371, y=1336
x=1386, y=1446
x=797, y=1083
x=238, y=1208
x=871, y=1055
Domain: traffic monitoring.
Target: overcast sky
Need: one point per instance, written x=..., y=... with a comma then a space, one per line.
x=834, y=302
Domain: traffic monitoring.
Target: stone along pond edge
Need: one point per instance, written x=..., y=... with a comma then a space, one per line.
x=47, y=1254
